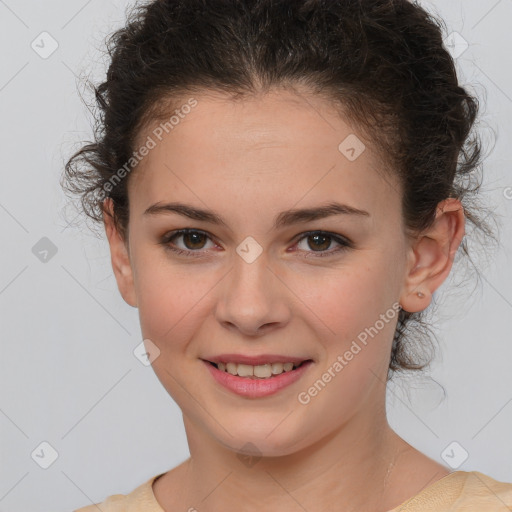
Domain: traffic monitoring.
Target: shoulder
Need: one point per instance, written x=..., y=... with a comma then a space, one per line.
x=138, y=500
x=461, y=491
x=481, y=488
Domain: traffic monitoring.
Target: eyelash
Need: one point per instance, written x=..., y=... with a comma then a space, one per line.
x=345, y=244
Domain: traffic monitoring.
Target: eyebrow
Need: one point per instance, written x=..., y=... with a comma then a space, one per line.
x=285, y=218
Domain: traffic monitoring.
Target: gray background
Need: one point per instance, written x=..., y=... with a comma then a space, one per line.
x=69, y=376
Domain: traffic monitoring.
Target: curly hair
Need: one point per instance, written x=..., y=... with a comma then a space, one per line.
x=381, y=62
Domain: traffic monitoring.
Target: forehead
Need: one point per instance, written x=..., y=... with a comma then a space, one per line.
x=279, y=146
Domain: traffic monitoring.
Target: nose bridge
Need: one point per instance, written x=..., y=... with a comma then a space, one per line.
x=252, y=296
x=251, y=274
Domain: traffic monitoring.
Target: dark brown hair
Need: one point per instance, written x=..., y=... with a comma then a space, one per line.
x=382, y=62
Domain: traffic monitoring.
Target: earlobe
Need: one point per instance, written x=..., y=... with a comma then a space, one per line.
x=119, y=255
x=431, y=257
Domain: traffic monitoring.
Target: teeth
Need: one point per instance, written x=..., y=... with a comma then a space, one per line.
x=245, y=370
x=231, y=368
x=262, y=371
x=277, y=368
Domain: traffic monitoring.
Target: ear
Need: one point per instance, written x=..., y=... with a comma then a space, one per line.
x=431, y=256
x=120, y=256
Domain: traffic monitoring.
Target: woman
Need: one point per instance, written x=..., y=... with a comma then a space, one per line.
x=282, y=185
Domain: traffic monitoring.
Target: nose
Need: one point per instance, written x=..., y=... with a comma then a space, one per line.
x=253, y=299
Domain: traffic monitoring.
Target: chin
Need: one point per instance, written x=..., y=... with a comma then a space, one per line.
x=262, y=439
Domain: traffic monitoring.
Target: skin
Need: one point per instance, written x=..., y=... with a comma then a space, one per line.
x=249, y=160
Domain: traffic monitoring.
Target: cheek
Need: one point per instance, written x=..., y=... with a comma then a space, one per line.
x=352, y=313
x=171, y=299
x=344, y=298
x=358, y=323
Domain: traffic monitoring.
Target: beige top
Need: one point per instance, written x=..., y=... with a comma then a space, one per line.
x=460, y=491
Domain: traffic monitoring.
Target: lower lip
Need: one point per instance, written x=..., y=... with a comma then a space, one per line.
x=257, y=388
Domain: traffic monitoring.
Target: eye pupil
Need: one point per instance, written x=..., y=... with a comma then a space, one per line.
x=187, y=236
x=321, y=237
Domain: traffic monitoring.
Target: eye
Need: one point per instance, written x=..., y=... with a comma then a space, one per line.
x=193, y=241
x=322, y=240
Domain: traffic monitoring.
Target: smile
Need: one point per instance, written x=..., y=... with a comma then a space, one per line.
x=256, y=381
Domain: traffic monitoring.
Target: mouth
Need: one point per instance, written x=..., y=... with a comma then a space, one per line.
x=258, y=380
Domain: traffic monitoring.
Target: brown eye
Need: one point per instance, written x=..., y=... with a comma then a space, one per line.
x=319, y=242
x=193, y=241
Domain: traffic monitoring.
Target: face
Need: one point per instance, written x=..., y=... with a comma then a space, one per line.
x=306, y=288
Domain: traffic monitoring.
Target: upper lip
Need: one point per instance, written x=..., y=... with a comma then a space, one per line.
x=255, y=360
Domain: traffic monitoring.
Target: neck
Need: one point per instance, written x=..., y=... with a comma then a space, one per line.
x=349, y=469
